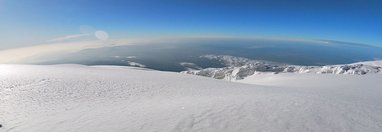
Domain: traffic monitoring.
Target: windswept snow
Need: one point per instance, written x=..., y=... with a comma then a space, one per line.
x=64, y=98
x=134, y=64
x=190, y=66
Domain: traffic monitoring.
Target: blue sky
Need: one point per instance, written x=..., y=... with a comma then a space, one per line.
x=29, y=22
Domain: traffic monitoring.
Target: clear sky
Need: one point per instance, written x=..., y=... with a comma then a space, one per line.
x=29, y=22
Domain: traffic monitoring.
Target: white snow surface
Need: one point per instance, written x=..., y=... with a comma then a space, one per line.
x=76, y=98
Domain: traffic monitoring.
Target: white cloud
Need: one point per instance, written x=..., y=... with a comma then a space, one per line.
x=101, y=35
x=74, y=36
x=20, y=55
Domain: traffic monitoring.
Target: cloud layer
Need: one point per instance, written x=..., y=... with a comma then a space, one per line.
x=68, y=37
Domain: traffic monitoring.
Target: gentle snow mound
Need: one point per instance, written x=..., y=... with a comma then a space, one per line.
x=66, y=98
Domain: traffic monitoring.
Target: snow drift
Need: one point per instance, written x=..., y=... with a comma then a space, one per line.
x=64, y=98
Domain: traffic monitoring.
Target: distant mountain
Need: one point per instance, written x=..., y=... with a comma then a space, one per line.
x=238, y=68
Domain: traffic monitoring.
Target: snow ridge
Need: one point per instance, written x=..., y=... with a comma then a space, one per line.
x=238, y=68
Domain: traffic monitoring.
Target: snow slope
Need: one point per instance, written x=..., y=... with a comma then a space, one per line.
x=65, y=98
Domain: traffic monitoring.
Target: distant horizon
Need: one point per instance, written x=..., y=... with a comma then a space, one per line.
x=72, y=44
x=285, y=50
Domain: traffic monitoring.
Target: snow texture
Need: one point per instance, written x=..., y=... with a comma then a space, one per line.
x=76, y=98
